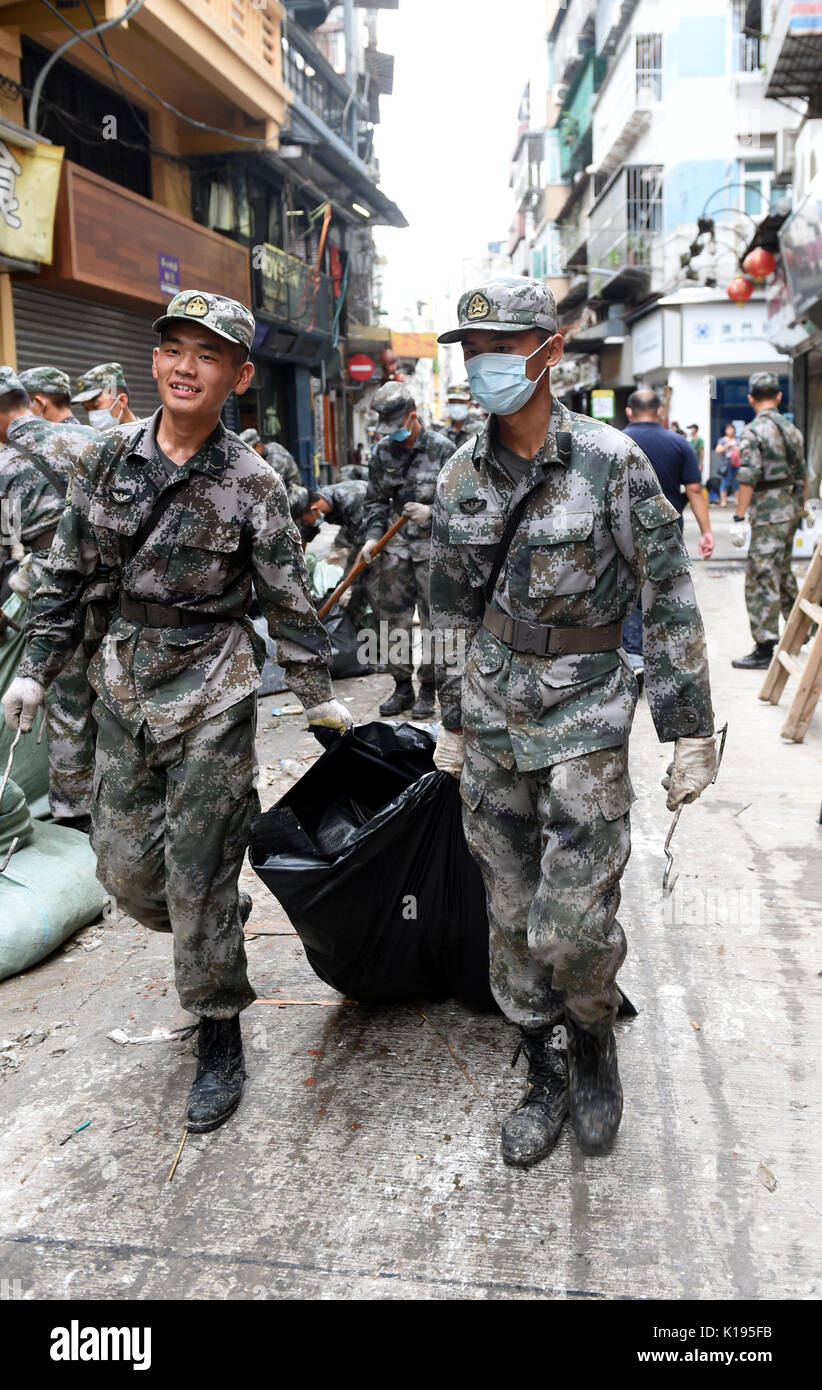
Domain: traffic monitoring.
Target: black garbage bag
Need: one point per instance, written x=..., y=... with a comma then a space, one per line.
x=344, y=643
x=367, y=855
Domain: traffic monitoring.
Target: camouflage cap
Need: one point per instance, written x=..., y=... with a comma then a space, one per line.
x=107, y=376
x=250, y=437
x=461, y=391
x=9, y=381
x=764, y=381
x=225, y=317
x=505, y=306
x=50, y=380
x=392, y=402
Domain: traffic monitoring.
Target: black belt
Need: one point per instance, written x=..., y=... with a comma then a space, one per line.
x=160, y=615
x=41, y=543
x=787, y=483
x=522, y=636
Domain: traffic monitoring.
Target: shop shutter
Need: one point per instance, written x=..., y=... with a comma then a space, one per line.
x=74, y=334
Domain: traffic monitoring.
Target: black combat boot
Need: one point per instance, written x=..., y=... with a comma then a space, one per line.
x=402, y=699
x=216, y=1092
x=424, y=703
x=593, y=1084
x=758, y=659
x=245, y=905
x=531, y=1132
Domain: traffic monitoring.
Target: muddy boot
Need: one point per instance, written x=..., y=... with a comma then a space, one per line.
x=531, y=1132
x=216, y=1092
x=756, y=660
x=424, y=703
x=402, y=699
x=593, y=1083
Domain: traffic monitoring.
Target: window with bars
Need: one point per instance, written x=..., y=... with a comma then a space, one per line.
x=649, y=64
x=747, y=51
x=643, y=193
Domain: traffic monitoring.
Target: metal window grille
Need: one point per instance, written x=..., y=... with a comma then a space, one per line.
x=649, y=64
x=747, y=52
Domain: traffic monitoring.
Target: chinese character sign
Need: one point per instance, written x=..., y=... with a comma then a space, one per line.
x=29, y=180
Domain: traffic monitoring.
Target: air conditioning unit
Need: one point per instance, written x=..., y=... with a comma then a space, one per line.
x=784, y=153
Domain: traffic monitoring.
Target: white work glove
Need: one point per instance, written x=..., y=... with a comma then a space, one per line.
x=449, y=754
x=367, y=551
x=692, y=770
x=417, y=512
x=21, y=703
x=739, y=532
x=20, y=580
x=330, y=715
x=808, y=512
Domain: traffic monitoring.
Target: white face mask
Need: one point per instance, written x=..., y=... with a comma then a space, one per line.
x=458, y=412
x=102, y=419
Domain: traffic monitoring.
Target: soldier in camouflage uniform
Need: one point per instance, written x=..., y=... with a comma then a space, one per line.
x=773, y=491
x=37, y=501
x=402, y=480
x=460, y=428
x=103, y=392
x=343, y=505
x=49, y=392
x=285, y=464
x=536, y=721
x=169, y=524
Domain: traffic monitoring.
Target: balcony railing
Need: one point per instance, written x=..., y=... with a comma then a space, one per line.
x=626, y=223
x=253, y=26
x=289, y=290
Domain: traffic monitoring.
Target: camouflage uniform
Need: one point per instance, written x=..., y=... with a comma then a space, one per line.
x=286, y=465
x=772, y=452
x=69, y=728
x=348, y=512
x=174, y=781
x=398, y=475
x=108, y=377
x=545, y=786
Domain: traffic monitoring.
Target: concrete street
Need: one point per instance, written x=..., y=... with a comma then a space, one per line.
x=364, y=1160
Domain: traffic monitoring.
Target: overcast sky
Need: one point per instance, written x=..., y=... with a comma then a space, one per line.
x=447, y=134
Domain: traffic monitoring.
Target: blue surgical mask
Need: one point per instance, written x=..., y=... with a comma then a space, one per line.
x=102, y=419
x=499, y=383
x=399, y=436
x=458, y=412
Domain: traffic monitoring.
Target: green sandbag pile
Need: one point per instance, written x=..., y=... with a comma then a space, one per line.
x=15, y=820
x=31, y=759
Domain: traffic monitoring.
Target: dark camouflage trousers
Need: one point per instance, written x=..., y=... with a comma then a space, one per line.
x=70, y=735
x=770, y=584
x=552, y=846
x=170, y=828
x=402, y=585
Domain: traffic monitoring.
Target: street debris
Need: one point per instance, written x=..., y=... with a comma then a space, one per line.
x=695, y=1025
x=766, y=1177
x=156, y=1035
x=177, y=1159
x=317, y=1003
x=72, y=1132
x=462, y=1068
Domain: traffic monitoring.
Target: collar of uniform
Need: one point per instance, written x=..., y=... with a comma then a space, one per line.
x=211, y=457
x=21, y=424
x=560, y=420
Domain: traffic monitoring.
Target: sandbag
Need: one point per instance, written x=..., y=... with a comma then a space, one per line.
x=49, y=890
x=31, y=759
x=367, y=856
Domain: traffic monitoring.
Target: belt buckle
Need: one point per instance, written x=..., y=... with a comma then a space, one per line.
x=530, y=638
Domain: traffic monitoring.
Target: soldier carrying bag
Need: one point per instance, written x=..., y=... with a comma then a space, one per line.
x=538, y=638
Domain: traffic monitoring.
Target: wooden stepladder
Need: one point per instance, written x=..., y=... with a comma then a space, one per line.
x=806, y=611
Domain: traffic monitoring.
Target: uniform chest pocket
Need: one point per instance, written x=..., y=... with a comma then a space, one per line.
x=477, y=538
x=113, y=523
x=563, y=557
x=201, y=555
x=658, y=534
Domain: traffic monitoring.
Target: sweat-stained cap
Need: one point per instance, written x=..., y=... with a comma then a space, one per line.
x=9, y=381
x=764, y=381
x=505, y=306
x=226, y=317
x=50, y=380
x=108, y=376
x=392, y=403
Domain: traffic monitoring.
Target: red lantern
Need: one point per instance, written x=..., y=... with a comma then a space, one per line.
x=759, y=263
x=739, y=289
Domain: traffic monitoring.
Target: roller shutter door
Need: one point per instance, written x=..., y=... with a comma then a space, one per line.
x=56, y=330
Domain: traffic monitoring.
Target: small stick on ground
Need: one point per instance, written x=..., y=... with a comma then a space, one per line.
x=177, y=1159
x=462, y=1068
x=317, y=1003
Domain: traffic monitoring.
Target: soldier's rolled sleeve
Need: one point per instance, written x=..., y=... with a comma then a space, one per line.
x=456, y=612
x=283, y=592
x=645, y=528
x=55, y=626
